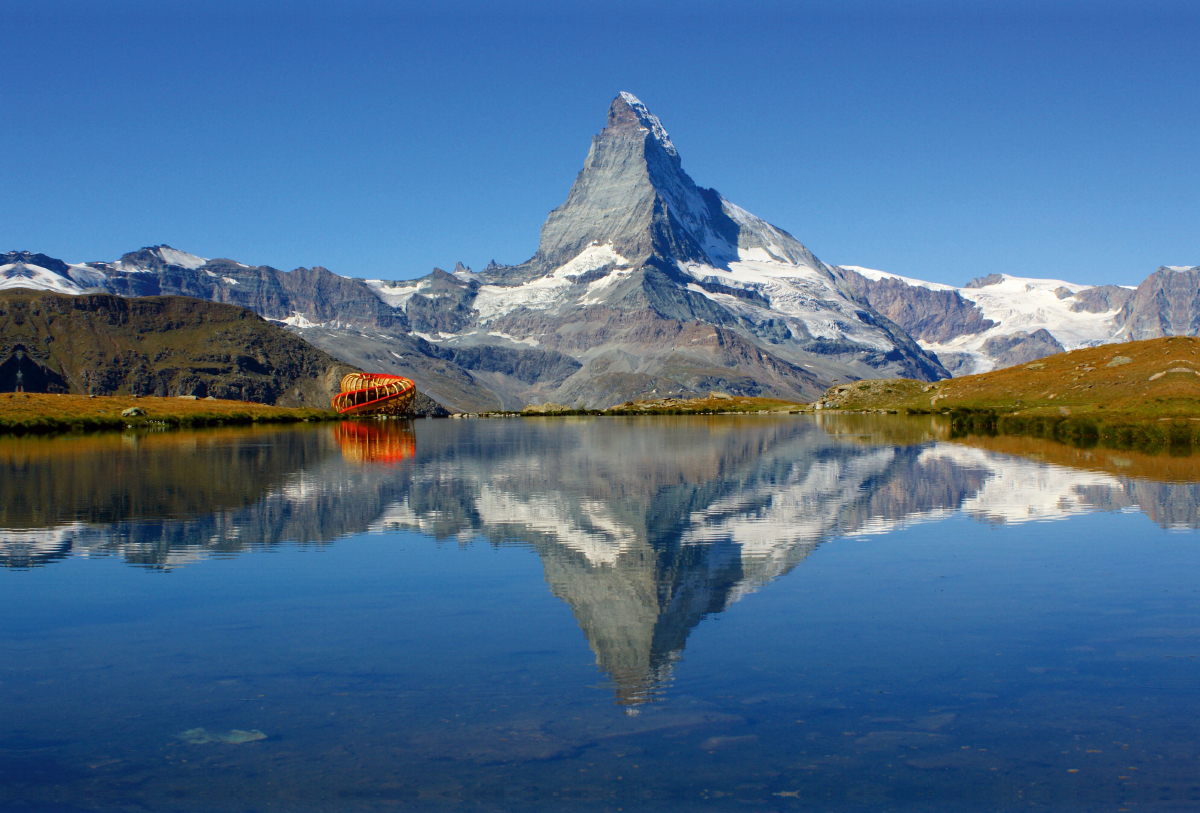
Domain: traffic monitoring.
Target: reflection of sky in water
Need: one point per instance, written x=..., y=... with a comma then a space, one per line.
x=953, y=650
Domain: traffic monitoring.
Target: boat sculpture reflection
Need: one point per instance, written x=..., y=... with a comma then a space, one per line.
x=375, y=394
x=364, y=443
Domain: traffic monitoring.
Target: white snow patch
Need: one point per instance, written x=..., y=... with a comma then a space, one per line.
x=87, y=277
x=230, y=280
x=298, y=319
x=396, y=294
x=27, y=275
x=594, y=289
x=755, y=254
x=441, y=337
x=591, y=258
x=493, y=301
x=874, y=274
x=180, y=258
x=799, y=294
x=529, y=341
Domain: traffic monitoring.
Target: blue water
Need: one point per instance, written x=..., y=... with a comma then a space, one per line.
x=551, y=615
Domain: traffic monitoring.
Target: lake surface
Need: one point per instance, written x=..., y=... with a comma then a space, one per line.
x=727, y=613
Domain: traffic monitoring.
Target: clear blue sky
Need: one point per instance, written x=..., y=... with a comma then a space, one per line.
x=940, y=140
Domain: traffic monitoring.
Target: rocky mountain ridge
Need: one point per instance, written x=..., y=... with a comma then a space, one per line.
x=646, y=285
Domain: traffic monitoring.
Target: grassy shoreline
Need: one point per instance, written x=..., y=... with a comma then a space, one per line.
x=1132, y=395
x=36, y=413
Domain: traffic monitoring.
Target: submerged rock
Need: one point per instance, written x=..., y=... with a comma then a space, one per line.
x=200, y=736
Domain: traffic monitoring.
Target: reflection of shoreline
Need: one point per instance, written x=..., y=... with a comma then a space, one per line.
x=1161, y=468
x=644, y=526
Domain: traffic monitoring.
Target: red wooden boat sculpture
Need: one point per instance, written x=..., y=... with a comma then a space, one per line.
x=375, y=394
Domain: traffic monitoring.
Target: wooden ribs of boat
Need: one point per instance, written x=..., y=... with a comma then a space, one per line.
x=375, y=394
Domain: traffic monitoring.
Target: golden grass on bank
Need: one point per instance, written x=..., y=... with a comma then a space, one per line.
x=39, y=412
x=1131, y=393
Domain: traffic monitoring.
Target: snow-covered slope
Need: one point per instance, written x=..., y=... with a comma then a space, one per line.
x=151, y=259
x=21, y=269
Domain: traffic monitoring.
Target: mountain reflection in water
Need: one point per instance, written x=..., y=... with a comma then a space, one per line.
x=643, y=525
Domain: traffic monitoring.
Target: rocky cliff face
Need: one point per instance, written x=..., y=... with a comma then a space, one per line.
x=1021, y=347
x=1167, y=303
x=927, y=314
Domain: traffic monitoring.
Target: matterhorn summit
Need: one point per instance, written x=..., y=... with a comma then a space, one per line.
x=634, y=196
x=647, y=119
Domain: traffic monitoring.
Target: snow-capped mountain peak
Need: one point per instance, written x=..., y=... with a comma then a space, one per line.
x=150, y=258
x=181, y=258
x=644, y=118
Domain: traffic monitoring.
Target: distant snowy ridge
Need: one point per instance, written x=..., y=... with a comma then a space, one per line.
x=1018, y=305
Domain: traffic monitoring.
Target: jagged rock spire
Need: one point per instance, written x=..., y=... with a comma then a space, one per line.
x=634, y=195
x=627, y=113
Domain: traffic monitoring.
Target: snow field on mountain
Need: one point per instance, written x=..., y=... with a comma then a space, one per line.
x=397, y=294
x=494, y=301
x=181, y=258
x=797, y=292
x=26, y=275
x=1017, y=304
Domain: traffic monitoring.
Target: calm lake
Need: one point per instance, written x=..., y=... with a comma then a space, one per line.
x=692, y=613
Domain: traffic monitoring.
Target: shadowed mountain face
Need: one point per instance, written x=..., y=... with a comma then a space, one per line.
x=644, y=526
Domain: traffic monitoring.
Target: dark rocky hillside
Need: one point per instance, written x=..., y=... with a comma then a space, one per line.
x=101, y=344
